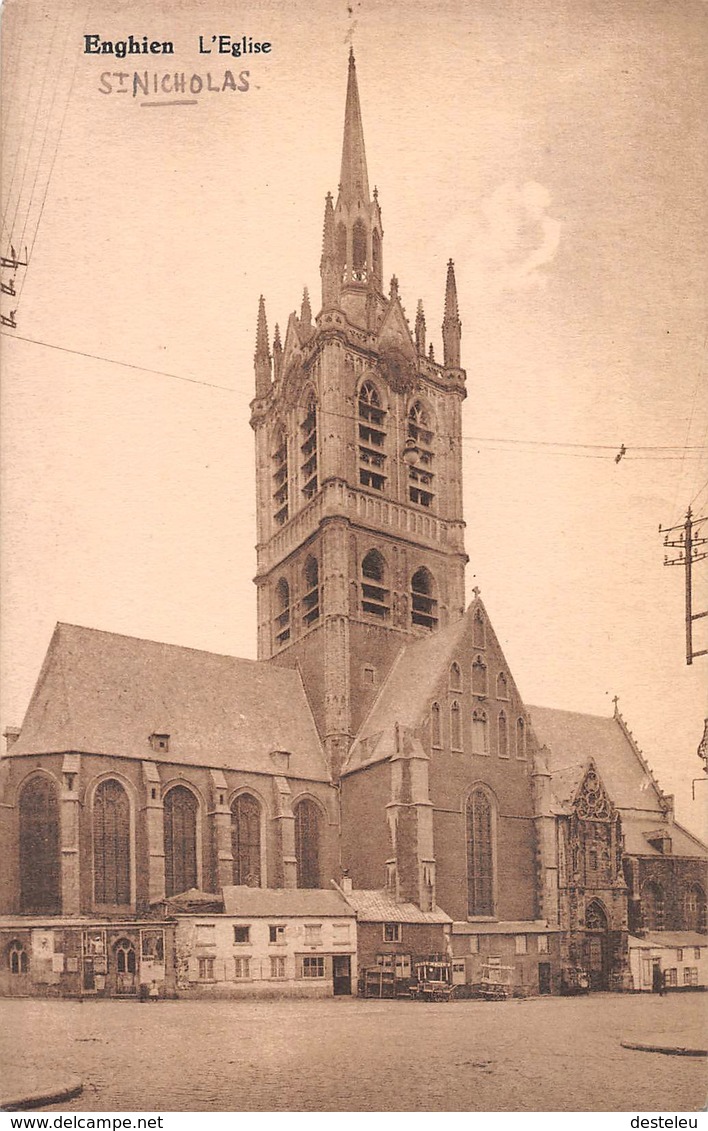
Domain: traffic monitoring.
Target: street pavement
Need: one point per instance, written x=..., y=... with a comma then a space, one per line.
x=543, y=1054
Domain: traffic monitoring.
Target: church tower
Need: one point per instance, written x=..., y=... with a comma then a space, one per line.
x=358, y=467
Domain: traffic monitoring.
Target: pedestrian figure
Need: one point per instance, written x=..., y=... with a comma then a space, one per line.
x=153, y=992
x=657, y=979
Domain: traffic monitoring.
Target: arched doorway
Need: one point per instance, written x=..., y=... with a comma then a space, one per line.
x=596, y=956
x=126, y=966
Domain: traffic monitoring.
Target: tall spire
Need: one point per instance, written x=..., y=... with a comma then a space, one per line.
x=261, y=358
x=353, y=179
x=451, y=327
x=420, y=329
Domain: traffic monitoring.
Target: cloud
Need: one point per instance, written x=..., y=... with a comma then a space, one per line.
x=515, y=238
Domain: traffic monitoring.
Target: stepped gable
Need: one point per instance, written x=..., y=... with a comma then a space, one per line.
x=102, y=693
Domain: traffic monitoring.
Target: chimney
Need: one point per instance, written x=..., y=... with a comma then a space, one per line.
x=346, y=883
x=11, y=736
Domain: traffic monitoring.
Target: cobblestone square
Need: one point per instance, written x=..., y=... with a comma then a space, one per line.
x=547, y=1054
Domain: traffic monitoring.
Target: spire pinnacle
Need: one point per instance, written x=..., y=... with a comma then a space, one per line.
x=451, y=327
x=420, y=329
x=306, y=309
x=354, y=180
x=277, y=353
x=261, y=358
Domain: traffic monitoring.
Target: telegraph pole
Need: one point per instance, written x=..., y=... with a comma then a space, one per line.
x=689, y=545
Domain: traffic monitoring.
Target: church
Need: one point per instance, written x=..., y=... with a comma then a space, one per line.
x=200, y=823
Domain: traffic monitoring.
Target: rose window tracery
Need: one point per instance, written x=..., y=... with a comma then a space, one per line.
x=593, y=803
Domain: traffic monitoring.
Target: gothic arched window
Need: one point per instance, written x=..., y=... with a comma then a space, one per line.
x=341, y=250
x=455, y=725
x=307, y=843
x=180, y=820
x=435, y=725
x=596, y=917
x=124, y=951
x=246, y=840
x=480, y=854
x=40, y=867
x=376, y=255
x=372, y=437
x=695, y=908
x=478, y=630
x=281, y=483
x=455, y=677
x=480, y=733
x=424, y=607
x=17, y=960
x=359, y=252
x=308, y=447
x=281, y=622
x=420, y=473
x=502, y=686
x=503, y=736
x=311, y=599
x=652, y=906
x=111, y=844
x=520, y=738
x=375, y=596
x=479, y=677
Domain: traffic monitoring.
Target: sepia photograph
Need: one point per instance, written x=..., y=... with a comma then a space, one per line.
x=354, y=540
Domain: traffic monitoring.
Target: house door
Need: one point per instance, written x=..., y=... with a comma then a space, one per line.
x=544, y=977
x=596, y=949
x=342, y=974
x=126, y=966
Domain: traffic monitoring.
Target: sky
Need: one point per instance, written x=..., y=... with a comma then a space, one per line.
x=555, y=151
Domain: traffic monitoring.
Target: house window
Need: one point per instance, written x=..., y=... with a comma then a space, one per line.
x=543, y=944
x=375, y=596
x=281, y=485
x=690, y=976
x=277, y=966
x=479, y=677
x=206, y=934
x=455, y=726
x=276, y=933
x=111, y=844
x=246, y=840
x=206, y=969
x=480, y=854
x=652, y=896
x=455, y=678
x=281, y=622
x=679, y=955
x=424, y=606
x=695, y=908
x=341, y=933
x=502, y=686
x=242, y=969
x=503, y=736
x=308, y=448
x=307, y=843
x=480, y=733
x=17, y=960
x=313, y=934
x=392, y=932
x=311, y=599
x=242, y=934
x=520, y=738
x=180, y=824
x=520, y=944
x=697, y=953
x=420, y=475
x=313, y=966
x=372, y=438
x=40, y=869
x=435, y=725
x=671, y=978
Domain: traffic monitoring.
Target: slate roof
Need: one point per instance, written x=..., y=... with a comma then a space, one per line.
x=380, y=907
x=572, y=740
x=102, y=693
x=637, y=830
x=669, y=938
x=275, y=903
